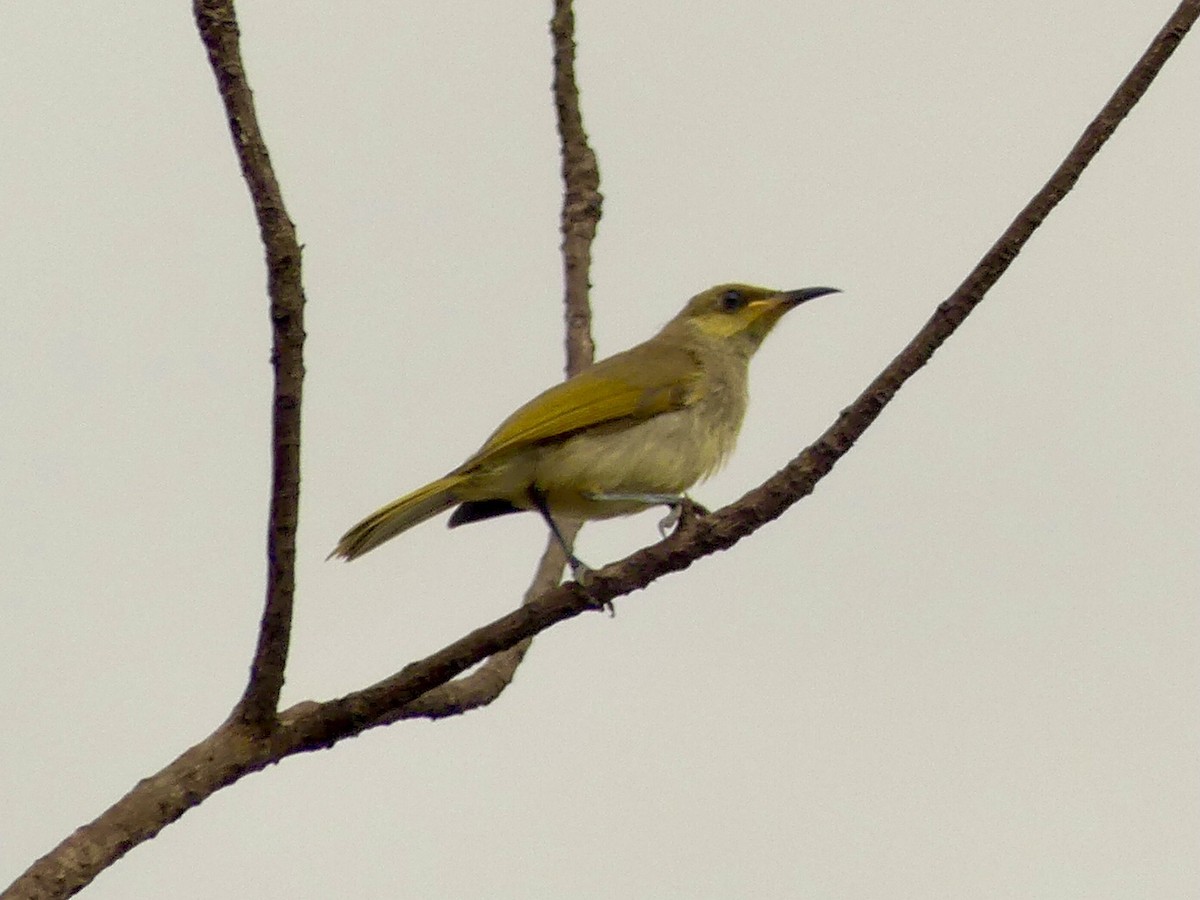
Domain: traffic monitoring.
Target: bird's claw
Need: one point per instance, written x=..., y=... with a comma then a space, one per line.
x=671, y=519
x=582, y=573
x=684, y=511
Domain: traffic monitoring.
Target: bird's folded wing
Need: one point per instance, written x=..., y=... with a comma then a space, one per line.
x=633, y=386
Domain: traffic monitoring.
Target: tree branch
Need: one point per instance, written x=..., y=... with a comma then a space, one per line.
x=233, y=751
x=579, y=218
x=217, y=23
x=582, y=200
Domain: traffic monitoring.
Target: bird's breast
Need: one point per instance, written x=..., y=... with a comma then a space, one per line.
x=665, y=454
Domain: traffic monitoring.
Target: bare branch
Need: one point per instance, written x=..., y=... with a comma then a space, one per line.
x=218, y=28
x=580, y=216
x=489, y=681
x=581, y=192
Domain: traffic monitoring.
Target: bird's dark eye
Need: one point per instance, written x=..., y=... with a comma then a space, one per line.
x=732, y=300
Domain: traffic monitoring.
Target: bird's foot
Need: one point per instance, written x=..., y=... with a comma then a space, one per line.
x=683, y=511
x=675, y=502
x=582, y=573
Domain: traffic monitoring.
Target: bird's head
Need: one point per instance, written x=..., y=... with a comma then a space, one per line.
x=740, y=315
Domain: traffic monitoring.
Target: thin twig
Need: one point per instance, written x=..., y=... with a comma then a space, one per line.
x=580, y=215
x=231, y=753
x=581, y=193
x=490, y=680
x=217, y=23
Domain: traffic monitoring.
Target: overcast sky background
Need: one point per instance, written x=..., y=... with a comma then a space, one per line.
x=967, y=666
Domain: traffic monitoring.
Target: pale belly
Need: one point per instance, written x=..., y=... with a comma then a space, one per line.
x=664, y=455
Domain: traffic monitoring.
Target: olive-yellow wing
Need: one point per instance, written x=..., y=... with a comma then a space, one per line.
x=651, y=381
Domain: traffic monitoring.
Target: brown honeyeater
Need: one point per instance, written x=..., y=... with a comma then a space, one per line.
x=633, y=431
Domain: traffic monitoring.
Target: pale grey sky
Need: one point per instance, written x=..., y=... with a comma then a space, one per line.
x=966, y=667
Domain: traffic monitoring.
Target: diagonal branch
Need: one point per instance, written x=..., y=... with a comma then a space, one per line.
x=217, y=23
x=233, y=752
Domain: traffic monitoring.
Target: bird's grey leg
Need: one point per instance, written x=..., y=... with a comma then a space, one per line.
x=579, y=569
x=675, y=503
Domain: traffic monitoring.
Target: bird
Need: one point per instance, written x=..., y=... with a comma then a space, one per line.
x=633, y=431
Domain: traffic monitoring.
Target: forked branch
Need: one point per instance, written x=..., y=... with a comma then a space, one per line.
x=218, y=28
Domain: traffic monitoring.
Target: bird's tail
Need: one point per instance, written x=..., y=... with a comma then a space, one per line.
x=399, y=515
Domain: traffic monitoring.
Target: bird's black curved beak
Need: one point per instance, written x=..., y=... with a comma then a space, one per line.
x=795, y=298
